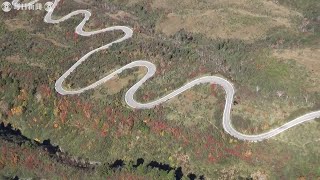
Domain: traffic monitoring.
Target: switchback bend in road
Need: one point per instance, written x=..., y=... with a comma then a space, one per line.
x=227, y=86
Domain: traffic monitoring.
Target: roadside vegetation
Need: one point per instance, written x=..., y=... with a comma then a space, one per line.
x=185, y=132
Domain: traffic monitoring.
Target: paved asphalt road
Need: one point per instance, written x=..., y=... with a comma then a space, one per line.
x=227, y=86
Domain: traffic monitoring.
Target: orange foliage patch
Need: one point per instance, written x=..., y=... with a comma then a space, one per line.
x=16, y=110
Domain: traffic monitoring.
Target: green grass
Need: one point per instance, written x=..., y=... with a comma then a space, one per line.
x=246, y=64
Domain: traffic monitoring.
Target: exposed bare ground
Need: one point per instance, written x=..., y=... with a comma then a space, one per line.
x=308, y=57
x=121, y=15
x=14, y=24
x=14, y=59
x=17, y=59
x=85, y=2
x=116, y=84
x=242, y=19
x=54, y=42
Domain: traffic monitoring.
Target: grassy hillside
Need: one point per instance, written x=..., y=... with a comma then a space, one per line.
x=267, y=49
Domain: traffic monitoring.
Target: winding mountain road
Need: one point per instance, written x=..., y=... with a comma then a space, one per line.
x=227, y=86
